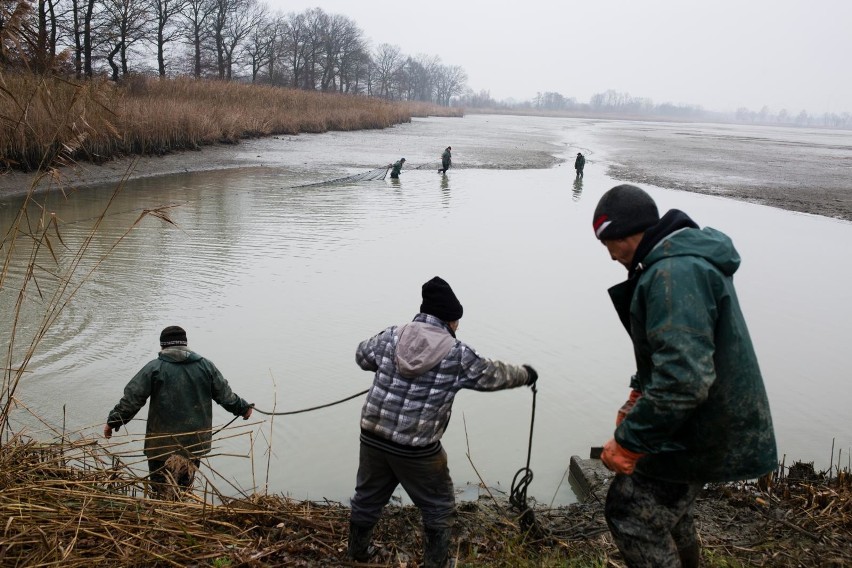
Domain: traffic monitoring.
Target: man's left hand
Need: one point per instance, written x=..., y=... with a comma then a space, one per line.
x=618, y=458
x=247, y=415
x=107, y=431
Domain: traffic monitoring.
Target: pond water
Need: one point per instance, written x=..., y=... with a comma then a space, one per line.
x=277, y=284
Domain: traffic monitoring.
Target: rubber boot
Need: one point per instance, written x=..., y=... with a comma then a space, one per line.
x=436, y=546
x=689, y=556
x=359, y=541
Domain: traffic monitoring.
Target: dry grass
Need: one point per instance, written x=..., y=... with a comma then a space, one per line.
x=45, y=119
x=73, y=503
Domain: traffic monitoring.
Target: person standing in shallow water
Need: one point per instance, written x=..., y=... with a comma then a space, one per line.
x=396, y=167
x=182, y=386
x=697, y=411
x=579, y=164
x=418, y=369
x=446, y=160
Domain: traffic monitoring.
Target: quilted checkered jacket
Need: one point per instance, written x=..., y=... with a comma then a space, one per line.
x=419, y=367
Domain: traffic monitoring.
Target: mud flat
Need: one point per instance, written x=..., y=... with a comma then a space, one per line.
x=804, y=170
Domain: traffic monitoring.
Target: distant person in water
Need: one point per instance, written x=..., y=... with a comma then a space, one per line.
x=446, y=160
x=579, y=163
x=396, y=167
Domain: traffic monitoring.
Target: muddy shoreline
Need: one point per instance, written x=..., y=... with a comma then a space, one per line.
x=770, y=166
x=806, y=171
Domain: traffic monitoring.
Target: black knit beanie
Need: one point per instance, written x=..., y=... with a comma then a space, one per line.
x=622, y=211
x=172, y=335
x=440, y=301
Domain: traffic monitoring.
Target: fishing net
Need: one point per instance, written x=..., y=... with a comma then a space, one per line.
x=371, y=175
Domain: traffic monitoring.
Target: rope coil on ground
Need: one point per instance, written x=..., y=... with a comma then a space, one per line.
x=521, y=482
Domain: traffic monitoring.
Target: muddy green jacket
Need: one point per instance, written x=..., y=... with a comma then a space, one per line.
x=182, y=386
x=704, y=414
x=397, y=166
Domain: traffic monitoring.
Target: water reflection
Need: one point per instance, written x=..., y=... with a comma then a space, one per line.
x=445, y=190
x=278, y=284
x=578, y=188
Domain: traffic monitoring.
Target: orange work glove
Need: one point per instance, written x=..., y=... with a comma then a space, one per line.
x=627, y=406
x=619, y=459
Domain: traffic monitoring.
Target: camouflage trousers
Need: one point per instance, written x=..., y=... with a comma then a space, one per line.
x=653, y=521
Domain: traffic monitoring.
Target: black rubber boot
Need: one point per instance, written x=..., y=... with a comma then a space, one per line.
x=359, y=541
x=436, y=546
x=689, y=556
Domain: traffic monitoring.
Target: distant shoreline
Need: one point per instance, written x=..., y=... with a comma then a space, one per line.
x=795, y=171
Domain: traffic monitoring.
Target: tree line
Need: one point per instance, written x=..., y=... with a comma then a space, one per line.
x=621, y=104
x=224, y=39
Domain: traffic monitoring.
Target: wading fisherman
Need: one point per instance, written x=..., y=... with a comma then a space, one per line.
x=182, y=386
x=396, y=167
x=698, y=411
x=419, y=367
x=579, y=164
x=446, y=160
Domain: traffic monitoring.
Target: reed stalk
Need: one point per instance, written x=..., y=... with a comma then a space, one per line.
x=51, y=120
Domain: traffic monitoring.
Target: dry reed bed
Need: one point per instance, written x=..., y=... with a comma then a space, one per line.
x=43, y=119
x=75, y=504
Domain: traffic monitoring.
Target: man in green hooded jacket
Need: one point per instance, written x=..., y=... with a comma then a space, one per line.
x=396, y=167
x=182, y=386
x=698, y=410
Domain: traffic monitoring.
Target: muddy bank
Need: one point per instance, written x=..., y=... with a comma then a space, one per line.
x=483, y=145
x=804, y=170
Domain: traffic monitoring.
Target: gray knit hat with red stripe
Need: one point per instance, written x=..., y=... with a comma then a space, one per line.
x=622, y=211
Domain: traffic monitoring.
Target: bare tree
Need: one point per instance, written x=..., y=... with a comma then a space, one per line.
x=450, y=81
x=387, y=61
x=240, y=23
x=261, y=44
x=88, y=17
x=315, y=26
x=342, y=45
x=422, y=72
x=166, y=12
x=125, y=23
x=196, y=14
x=294, y=45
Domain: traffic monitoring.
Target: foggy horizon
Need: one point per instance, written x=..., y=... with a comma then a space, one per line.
x=720, y=57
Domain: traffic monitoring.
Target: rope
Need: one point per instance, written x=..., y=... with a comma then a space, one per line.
x=356, y=395
x=521, y=482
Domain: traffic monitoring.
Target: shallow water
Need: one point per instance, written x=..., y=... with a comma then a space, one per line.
x=277, y=284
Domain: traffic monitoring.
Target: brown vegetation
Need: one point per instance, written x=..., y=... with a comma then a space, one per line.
x=73, y=503
x=50, y=120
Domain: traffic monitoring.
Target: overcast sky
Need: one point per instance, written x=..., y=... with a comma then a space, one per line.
x=721, y=54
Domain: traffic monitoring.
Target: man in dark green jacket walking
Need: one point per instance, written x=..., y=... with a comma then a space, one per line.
x=182, y=386
x=446, y=160
x=698, y=410
x=579, y=164
x=396, y=167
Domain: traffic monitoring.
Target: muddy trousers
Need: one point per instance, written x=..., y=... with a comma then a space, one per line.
x=157, y=467
x=426, y=481
x=652, y=521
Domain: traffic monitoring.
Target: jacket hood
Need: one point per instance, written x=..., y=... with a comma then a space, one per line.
x=422, y=345
x=178, y=354
x=678, y=235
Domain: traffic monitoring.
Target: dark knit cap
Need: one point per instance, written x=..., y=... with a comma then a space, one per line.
x=622, y=211
x=440, y=301
x=172, y=335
